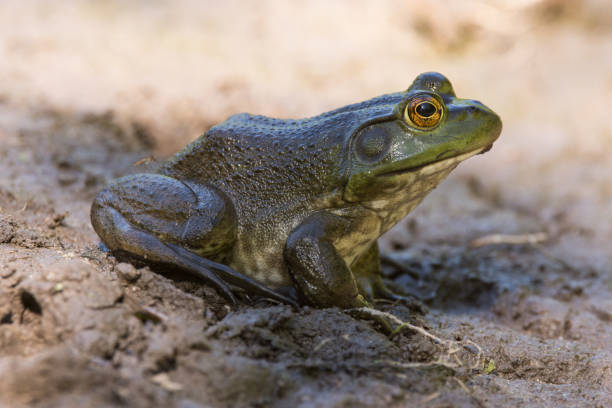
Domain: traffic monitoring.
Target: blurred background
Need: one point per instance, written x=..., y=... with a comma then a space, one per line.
x=173, y=69
x=88, y=88
x=180, y=66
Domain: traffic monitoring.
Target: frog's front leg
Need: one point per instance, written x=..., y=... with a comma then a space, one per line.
x=164, y=220
x=368, y=275
x=315, y=264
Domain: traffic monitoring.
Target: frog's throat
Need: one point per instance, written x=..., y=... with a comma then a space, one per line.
x=411, y=187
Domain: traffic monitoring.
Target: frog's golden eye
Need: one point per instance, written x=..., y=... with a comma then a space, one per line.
x=424, y=111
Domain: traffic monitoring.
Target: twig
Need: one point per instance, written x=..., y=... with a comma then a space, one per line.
x=431, y=397
x=462, y=385
x=514, y=239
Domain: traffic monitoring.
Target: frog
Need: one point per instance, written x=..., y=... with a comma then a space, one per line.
x=291, y=209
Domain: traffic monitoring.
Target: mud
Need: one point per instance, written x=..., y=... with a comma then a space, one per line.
x=516, y=323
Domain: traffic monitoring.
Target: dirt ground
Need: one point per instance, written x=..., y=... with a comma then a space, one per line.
x=87, y=89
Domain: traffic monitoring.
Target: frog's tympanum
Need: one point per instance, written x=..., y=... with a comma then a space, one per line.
x=292, y=209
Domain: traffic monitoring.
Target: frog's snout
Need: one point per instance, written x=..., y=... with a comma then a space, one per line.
x=475, y=107
x=496, y=125
x=491, y=120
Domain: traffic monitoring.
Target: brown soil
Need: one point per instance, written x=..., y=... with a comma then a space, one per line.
x=88, y=89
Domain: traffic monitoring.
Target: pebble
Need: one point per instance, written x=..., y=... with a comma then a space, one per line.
x=127, y=271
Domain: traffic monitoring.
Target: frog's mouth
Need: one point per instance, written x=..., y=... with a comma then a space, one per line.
x=486, y=149
x=437, y=164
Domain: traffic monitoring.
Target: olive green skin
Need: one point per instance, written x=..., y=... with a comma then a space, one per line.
x=292, y=209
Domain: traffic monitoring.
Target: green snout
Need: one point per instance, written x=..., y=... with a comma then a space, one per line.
x=466, y=126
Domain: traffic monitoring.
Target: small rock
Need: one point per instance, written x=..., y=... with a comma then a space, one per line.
x=105, y=293
x=57, y=220
x=148, y=314
x=28, y=238
x=66, y=179
x=73, y=270
x=163, y=380
x=161, y=351
x=127, y=272
x=7, y=230
x=98, y=343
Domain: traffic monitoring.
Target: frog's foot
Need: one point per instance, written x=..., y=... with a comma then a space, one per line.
x=367, y=272
x=229, y=275
x=372, y=287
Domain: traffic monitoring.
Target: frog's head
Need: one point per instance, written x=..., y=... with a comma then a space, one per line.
x=429, y=125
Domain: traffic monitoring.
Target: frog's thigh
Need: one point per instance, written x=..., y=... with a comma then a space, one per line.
x=199, y=218
x=318, y=270
x=134, y=215
x=158, y=218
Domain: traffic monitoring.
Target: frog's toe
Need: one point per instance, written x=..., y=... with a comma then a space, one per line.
x=227, y=274
x=372, y=287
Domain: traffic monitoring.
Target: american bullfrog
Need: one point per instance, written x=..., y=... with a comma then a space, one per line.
x=292, y=209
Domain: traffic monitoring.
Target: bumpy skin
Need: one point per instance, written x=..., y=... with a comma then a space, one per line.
x=291, y=209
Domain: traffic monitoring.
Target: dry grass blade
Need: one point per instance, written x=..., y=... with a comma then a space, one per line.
x=513, y=239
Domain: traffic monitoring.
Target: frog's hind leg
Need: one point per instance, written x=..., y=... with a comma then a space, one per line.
x=163, y=220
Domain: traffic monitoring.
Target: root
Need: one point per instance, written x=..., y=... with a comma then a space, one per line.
x=463, y=354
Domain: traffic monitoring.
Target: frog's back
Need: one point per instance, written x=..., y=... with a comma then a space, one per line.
x=253, y=157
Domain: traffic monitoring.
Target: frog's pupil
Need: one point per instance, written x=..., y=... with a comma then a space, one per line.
x=426, y=109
